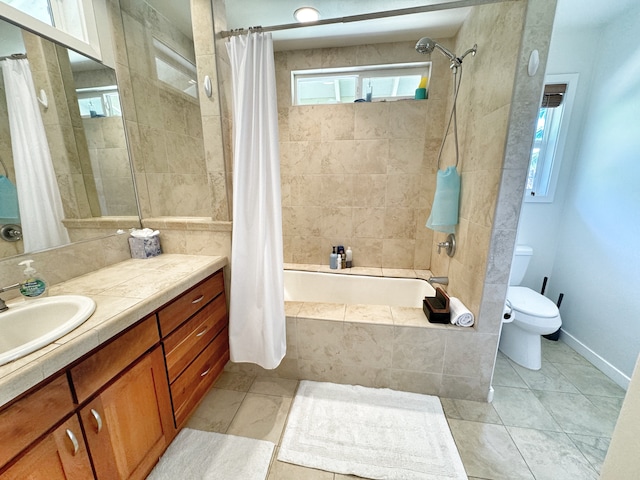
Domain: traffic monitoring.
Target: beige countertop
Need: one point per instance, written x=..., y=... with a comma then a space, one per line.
x=124, y=293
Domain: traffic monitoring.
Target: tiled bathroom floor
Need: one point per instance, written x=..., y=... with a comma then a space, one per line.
x=553, y=424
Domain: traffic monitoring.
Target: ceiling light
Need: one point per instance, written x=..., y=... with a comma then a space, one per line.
x=306, y=14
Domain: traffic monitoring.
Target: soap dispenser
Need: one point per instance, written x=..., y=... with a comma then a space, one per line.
x=33, y=285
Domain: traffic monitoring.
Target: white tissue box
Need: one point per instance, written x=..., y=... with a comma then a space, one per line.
x=145, y=247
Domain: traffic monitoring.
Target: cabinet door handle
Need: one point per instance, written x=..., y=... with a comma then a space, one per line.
x=205, y=372
x=98, y=419
x=199, y=299
x=74, y=441
x=202, y=332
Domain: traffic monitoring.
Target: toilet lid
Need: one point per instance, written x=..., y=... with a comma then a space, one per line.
x=527, y=301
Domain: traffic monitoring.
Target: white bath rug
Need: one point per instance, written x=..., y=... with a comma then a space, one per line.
x=370, y=432
x=198, y=455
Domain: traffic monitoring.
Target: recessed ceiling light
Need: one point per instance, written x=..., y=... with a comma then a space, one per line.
x=306, y=14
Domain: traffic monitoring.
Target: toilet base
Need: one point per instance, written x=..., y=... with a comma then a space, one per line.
x=524, y=348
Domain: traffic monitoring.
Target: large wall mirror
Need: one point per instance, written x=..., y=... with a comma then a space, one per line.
x=88, y=172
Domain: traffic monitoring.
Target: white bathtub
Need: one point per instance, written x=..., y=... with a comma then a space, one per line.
x=301, y=286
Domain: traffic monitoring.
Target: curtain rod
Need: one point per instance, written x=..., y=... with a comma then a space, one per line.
x=14, y=56
x=365, y=16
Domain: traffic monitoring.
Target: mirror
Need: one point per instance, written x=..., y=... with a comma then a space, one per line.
x=80, y=110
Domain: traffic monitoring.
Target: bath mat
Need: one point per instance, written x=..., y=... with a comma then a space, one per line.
x=370, y=432
x=197, y=455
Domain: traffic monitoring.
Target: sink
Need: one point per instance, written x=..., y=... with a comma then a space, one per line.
x=33, y=324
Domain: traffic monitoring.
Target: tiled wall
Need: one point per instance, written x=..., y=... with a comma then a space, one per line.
x=110, y=164
x=359, y=174
x=51, y=71
x=399, y=350
x=164, y=125
x=63, y=263
x=483, y=109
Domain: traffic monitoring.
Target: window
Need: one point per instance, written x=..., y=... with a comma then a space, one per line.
x=175, y=70
x=548, y=143
x=348, y=84
x=71, y=23
x=66, y=15
x=99, y=101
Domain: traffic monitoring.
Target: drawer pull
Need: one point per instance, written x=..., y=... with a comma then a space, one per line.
x=202, y=332
x=74, y=441
x=205, y=372
x=199, y=299
x=98, y=419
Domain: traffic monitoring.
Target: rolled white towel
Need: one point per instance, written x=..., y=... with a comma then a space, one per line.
x=460, y=315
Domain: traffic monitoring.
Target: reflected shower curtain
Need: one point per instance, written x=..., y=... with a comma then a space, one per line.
x=256, y=312
x=41, y=211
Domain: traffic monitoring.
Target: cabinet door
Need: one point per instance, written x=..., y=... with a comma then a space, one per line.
x=61, y=455
x=129, y=424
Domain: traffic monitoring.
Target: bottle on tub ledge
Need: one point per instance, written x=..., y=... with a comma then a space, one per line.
x=349, y=257
x=342, y=257
x=333, y=259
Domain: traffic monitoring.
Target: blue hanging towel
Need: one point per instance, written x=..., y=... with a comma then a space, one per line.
x=8, y=202
x=446, y=201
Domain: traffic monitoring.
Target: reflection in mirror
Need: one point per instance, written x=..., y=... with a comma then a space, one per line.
x=159, y=44
x=75, y=183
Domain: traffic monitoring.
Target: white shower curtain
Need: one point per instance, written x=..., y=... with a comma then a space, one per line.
x=41, y=211
x=256, y=312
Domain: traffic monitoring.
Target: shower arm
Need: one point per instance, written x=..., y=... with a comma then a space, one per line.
x=457, y=61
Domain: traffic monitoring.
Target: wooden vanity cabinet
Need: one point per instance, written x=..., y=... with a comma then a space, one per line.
x=126, y=400
x=196, y=343
x=61, y=455
x=128, y=424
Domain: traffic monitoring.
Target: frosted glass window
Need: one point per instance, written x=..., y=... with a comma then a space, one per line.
x=348, y=84
x=38, y=9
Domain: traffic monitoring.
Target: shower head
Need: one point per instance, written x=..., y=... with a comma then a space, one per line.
x=426, y=45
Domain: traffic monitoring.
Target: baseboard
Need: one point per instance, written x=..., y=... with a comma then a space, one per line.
x=600, y=363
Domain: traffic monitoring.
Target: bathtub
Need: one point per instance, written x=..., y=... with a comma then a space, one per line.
x=303, y=286
x=371, y=330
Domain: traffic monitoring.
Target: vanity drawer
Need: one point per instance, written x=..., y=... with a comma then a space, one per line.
x=171, y=316
x=94, y=372
x=189, y=388
x=30, y=417
x=185, y=343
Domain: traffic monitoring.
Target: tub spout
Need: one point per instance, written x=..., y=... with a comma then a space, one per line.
x=440, y=280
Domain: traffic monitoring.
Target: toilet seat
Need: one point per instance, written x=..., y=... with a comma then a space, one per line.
x=532, y=303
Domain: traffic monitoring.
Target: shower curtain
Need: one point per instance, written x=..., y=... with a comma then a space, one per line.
x=256, y=312
x=41, y=211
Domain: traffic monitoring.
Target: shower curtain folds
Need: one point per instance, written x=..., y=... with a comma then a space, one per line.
x=41, y=211
x=256, y=311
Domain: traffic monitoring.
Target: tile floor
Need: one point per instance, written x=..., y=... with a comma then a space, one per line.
x=555, y=423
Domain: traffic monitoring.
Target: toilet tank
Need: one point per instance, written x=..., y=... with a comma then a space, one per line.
x=520, y=262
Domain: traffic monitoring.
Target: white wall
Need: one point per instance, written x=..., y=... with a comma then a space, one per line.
x=570, y=52
x=587, y=240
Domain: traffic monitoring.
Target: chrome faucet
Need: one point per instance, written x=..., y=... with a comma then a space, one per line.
x=440, y=280
x=3, y=305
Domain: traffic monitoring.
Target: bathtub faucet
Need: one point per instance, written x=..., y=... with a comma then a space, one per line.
x=440, y=280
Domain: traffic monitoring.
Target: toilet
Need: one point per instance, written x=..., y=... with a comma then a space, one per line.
x=532, y=315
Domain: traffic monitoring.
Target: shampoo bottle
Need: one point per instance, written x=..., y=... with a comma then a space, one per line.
x=349, y=257
x=333, y=259
x=34, y=285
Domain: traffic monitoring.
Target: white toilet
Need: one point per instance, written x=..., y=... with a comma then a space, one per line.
x=532, y=315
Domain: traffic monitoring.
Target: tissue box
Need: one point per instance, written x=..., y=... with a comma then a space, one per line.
x=437, y=308
x=145, y=247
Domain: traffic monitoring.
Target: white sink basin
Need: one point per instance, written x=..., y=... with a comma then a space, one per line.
x=33, y=324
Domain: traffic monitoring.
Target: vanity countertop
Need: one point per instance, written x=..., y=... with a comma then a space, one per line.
x=124, y=293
